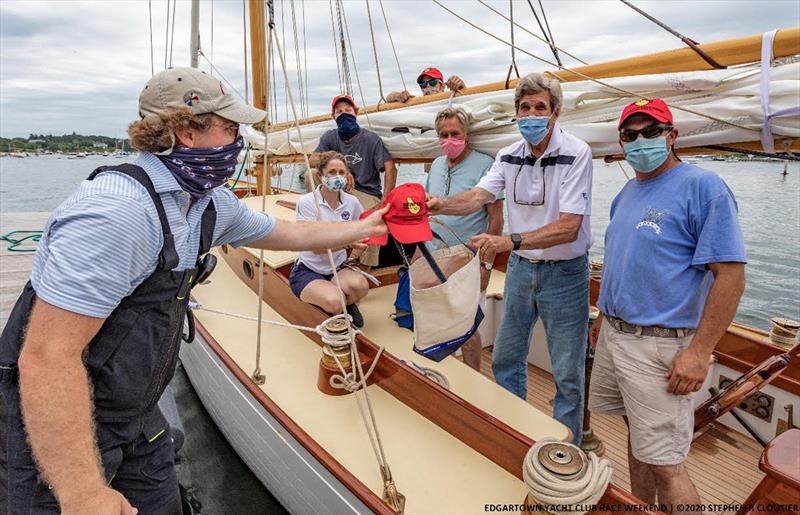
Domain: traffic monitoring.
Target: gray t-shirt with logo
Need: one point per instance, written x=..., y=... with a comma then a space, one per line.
x=365, y=153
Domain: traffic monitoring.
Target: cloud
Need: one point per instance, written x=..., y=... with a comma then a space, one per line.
x=78, y=66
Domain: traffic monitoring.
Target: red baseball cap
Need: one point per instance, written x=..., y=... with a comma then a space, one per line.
x=407, y=218
x=431, y=72
x=346, y=98
x=654, y=107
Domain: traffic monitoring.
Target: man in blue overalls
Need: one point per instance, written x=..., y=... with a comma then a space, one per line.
x=93, y=340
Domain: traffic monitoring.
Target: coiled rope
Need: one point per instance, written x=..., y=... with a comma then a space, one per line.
x=575, y=492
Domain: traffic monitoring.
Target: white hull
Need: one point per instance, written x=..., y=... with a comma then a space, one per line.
x=286, y=468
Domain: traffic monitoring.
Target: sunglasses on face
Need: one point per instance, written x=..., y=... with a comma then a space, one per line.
x=432, y=82
x=651, y=131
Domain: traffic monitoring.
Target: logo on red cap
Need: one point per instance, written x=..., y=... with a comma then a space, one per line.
x=653, y=107
x=346, y=98
x=431, y=72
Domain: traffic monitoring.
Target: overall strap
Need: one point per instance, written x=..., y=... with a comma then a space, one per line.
x=168, y=257
x=207, y=224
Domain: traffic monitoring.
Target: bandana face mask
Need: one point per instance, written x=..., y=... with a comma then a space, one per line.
x=199, y=170
x=347, y=125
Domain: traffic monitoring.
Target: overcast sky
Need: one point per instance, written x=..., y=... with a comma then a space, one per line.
x=71, y=65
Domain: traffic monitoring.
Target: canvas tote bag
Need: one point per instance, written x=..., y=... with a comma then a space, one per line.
x=446, y=312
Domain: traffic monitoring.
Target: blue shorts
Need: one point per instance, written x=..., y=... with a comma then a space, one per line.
x=301, y=275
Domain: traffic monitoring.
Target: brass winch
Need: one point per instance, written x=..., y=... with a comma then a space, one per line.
x=564, y=460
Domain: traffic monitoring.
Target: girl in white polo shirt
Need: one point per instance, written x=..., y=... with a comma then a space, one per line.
x=311, y=278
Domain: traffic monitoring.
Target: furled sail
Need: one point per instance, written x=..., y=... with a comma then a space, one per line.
x=725, y=105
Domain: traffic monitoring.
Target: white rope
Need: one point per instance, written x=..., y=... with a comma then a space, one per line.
x=348, y=381
x=212, y=43
x=574, y=493
x=300, y=88
x=626, y=92
x=166, y=35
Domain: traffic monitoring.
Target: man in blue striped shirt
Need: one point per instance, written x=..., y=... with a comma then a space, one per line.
x=93, y=339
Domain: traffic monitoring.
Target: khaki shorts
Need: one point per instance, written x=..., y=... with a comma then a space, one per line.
x=370, y=256
x=629, y=378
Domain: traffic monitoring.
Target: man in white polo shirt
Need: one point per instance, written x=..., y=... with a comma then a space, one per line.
x=547, y=178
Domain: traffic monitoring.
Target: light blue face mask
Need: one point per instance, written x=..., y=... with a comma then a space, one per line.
x=335, y=183
x=645, y=155
x=533, y=128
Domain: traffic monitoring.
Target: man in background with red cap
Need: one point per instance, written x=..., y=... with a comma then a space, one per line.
x=366, y=155
x=430, y=81
x=672, y=278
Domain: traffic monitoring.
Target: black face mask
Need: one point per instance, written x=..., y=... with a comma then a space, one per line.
x=347, y=125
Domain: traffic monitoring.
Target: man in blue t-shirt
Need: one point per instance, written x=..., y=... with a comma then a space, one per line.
x=459, y=170
x=672, y=278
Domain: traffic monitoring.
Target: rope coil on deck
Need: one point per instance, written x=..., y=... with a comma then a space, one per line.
x=554, y=477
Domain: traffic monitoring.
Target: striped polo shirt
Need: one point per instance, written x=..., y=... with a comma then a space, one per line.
x=104, y=240
x=539, y=189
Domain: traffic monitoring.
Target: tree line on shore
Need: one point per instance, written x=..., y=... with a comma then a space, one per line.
x=65, y=143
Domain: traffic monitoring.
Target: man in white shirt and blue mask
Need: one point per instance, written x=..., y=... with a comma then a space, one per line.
x=547, y=178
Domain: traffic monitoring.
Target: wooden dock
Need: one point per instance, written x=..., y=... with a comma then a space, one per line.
x=15, y=267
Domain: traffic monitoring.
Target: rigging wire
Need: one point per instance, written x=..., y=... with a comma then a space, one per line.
x=212, y=43
x=375, y=51
x=166, y=35
x=394, y=51
x=627, y=93
x=152, y=58
x=544, y=32
x=172, y=32
x=689, y=41
x=549, y=32
x=305, y=52
x=355, y=66
x=257, y=376
x=372, y=430
x=336, y=48
x=221, y=76
x=244, y=45
x=303, y=107
x=348, y=82
x=522, y=27
x=513, y=65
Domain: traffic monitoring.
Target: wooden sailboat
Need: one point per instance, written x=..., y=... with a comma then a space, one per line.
x=453, y=448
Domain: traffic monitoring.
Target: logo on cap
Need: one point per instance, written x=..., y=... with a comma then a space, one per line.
x=642, y=102
x=412, y=207
x=190, y=97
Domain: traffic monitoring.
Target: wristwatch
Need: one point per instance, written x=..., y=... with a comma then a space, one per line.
x=516, y=239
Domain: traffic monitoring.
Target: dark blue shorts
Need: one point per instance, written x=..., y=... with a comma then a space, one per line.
x=301, y=275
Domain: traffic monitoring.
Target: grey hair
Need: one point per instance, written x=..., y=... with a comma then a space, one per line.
x=453, y=112
x=536, y=83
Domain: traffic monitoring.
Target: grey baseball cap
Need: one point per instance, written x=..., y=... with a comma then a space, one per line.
x=197, y=90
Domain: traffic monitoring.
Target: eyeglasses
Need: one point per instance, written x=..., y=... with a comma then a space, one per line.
x=651, y=131
x=529, y=202
x=229, y=127
x=430, y=82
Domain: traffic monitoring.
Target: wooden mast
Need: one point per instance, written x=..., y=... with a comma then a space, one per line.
x=258, y=55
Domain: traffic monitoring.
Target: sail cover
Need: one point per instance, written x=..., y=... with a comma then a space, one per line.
x=590, y=111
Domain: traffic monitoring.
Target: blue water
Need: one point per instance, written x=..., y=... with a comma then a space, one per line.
x=769, y=207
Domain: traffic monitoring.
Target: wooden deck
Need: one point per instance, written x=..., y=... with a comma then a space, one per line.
x=15, y=267
x=722, y=463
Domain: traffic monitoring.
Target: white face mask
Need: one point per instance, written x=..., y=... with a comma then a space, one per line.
x=335, y=183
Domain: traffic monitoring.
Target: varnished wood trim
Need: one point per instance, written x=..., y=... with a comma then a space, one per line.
x=367, y=496
x=487, y=435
